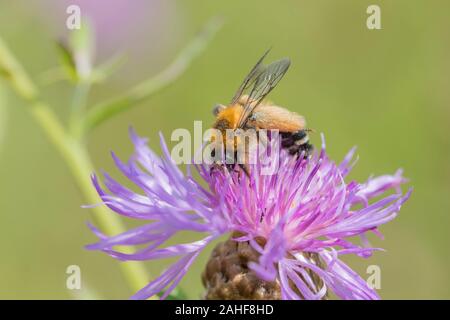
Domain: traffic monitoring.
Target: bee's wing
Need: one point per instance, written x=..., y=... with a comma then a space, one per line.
x=250, y=78
x=263, y=84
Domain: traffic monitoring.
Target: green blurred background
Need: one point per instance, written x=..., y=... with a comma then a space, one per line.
x=386, y=91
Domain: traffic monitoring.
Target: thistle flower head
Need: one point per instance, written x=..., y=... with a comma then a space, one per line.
x=304, y=213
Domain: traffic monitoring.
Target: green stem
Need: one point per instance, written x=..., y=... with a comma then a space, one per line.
x=74, y=153
x=78, y=106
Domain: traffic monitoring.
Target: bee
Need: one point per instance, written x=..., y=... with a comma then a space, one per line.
x=248, y=109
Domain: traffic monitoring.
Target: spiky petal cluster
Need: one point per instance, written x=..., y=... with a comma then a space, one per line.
x=305, y=207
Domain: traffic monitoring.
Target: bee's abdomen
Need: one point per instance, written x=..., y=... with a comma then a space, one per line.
x=296, y=142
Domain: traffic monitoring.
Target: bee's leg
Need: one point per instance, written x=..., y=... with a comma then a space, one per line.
x=235, y=169
x=216, y=166
x=231, y=167
x=246, y=169
x=263, y=213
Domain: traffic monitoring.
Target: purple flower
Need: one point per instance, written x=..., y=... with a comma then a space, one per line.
x=305, y=208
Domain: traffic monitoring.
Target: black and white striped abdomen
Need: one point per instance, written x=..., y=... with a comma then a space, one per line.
x=296, y=142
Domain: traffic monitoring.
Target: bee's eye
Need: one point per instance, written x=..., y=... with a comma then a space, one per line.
x=217, y=109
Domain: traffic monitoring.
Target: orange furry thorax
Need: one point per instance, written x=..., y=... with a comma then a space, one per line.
x=229, y=117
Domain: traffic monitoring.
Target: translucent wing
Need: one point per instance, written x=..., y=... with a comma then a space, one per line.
x=262, y=85
x=250, y=78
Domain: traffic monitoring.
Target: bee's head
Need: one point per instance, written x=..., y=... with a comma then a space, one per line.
x=217, y=109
